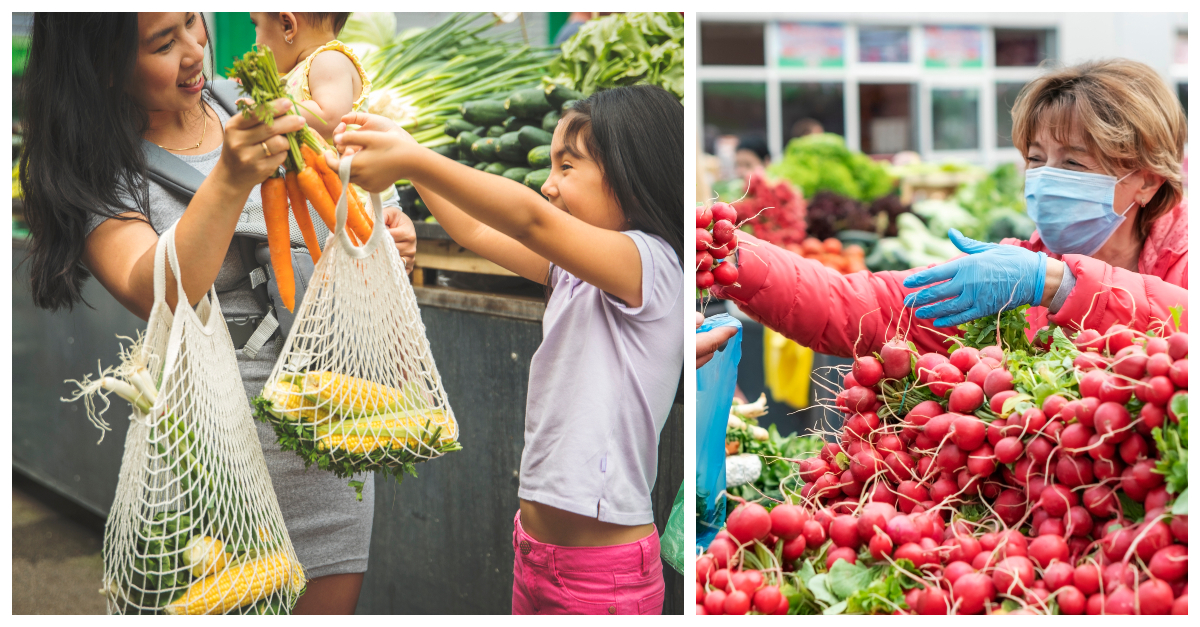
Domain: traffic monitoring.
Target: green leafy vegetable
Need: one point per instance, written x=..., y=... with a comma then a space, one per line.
x=822, y=162
x=623, y=49
x=1172, y=441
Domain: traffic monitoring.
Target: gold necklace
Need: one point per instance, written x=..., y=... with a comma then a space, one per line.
x=203, y=130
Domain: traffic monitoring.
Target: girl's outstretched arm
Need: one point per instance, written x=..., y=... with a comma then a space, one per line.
x=485, y=241
x=603, y=257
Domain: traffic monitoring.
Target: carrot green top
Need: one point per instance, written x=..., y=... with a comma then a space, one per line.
x=296, y=81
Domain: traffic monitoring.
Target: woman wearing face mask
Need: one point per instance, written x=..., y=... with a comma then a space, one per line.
x=1103, y=145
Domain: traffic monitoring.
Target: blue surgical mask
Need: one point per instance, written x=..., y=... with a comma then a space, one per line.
x=1073, y=211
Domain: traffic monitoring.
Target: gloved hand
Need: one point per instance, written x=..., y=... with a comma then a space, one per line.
x=991, y=278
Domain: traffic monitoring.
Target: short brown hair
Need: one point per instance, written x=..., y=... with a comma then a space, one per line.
x=1128, y=117
x=334, y=21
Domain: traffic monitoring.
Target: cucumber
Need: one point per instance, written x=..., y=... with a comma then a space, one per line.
x=539, y=157
x=497, y=168
x=516, y=174
x=485, y=149
x=485, y=112
x=528, y=103
x=566, y=106
x=495, y=131
x=514, y=124
x=534, y=180
x=447, y=150
x=532, y=137
x=457, y=125
x=481, y=165
x=559, y=94
x=510, y=148
x=480, y=131
x=464, y=141
x=550, y=121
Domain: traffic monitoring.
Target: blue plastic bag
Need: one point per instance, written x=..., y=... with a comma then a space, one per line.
x=715, y=385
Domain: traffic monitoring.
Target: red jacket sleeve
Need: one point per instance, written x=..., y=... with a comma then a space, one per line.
x=1104, y=296
x=817, y=307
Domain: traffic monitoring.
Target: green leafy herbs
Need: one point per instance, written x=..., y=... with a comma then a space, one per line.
x=778, y=475
x=981, y=332
x=1172, y=441
x=623, y=49
x=853, y=588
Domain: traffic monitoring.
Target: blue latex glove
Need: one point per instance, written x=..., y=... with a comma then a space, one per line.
x=991, y=278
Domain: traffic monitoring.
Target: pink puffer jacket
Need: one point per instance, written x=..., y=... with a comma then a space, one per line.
x=855, y=314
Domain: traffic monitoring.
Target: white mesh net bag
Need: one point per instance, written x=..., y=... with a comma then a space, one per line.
x=195, y=527
x=355, y=388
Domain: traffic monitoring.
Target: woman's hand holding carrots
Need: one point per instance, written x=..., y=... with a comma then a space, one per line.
x=243, y=160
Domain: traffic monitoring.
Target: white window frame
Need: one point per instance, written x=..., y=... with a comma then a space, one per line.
x=854, y=73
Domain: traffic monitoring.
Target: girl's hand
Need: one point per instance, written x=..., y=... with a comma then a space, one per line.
x=387, y=151
x=403, y=233
x=243, y=157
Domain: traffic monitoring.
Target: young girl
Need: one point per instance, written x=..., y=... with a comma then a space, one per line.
x=607, y=239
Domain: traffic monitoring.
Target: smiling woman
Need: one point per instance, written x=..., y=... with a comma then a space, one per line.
x=99, y=89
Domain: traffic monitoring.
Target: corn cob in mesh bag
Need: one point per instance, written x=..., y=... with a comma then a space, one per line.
x=355, y=388
x=195, y=527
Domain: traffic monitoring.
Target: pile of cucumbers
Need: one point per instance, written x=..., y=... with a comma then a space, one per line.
x=510, y=137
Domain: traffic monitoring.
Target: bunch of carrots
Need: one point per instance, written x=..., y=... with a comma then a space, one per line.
x=307, y=178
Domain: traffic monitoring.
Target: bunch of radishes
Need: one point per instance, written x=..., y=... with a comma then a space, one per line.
x=724, y=585
x=994, y=495
x=716, y=239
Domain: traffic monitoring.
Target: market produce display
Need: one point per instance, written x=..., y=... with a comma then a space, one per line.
x=822, y=162
x=623, y=49
x=988, y=210
x=422, y=78
x=772, y=211
x=1043, y=477
x=831, y=253
x=511, y=135
x=744, y=437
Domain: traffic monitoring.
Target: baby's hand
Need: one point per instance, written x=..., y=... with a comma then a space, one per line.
x=387, y=150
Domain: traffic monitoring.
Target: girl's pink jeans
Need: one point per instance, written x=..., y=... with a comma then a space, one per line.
x=620, y=579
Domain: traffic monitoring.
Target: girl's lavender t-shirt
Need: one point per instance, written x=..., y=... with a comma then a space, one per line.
x=600, y=389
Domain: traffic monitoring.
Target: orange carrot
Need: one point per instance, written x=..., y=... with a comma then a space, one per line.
x=275, y=213
x=303, y=219
x=314, y=189
x=356, y=219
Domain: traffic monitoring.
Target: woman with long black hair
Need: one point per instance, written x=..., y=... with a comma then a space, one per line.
x=96, y=86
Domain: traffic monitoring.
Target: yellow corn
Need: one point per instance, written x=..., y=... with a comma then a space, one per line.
x=205, y=554
x=402, y=426
x=289, y=399
x=351, y=443
x=351, y=396
x=240, y=585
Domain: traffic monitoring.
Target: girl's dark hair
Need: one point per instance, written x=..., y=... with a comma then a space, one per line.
x=82, y=142
x=635, y=134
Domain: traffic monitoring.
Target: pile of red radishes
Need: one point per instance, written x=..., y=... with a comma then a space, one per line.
x=716, y=239
x=991, y=496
